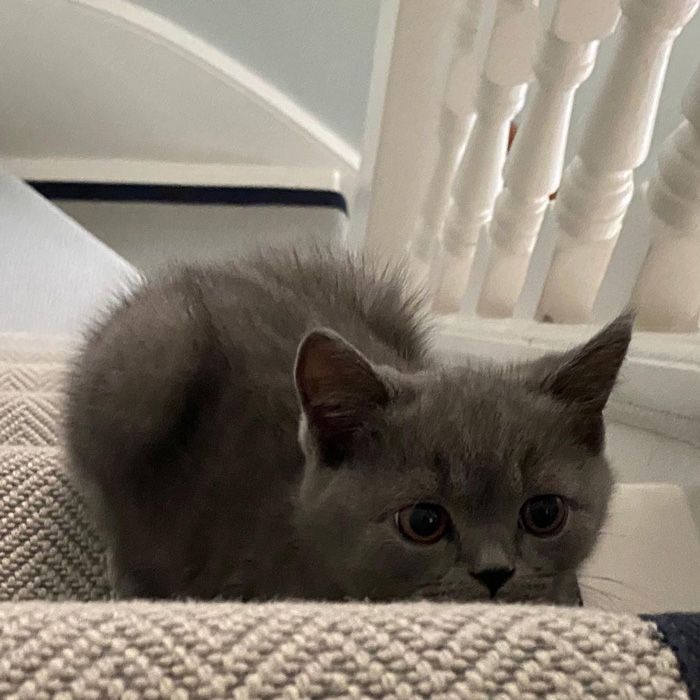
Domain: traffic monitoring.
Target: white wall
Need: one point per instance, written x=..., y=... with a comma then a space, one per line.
x=108, y=90
x=150, y=235
x=54, y=275
x=317, y=51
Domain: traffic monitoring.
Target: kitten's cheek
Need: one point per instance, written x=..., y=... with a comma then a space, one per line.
x=414, y=564
x=562, y=552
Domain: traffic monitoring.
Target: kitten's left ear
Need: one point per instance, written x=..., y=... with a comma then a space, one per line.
x=339, y=391
x=586, y=375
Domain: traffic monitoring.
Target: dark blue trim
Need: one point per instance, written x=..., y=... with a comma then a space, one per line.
x=681, y=632
x=189, y=194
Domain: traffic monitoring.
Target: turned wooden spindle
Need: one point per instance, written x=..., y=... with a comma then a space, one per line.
x=507, y=70
x=667, y=293
x=534, y=167
x=598, y=184
x=456, y=120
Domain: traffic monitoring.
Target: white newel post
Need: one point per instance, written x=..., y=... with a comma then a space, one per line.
x=534, y=166
x=597, y=186
x=667, y=294
x=401, y=129
x=501, y=93
x=456, y=120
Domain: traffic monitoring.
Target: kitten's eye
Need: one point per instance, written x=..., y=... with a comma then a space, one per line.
x=424, y=523
x=544, y=516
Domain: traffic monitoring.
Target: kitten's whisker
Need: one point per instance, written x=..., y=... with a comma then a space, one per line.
x=607, y=595
x=608, y=533
x=608, y=579
x=645, y=594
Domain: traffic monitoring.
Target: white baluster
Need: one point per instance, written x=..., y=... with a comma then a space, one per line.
x=456, y=120
x=535, y=163
x=667, y=294
x=507, y=70
x=597, y=186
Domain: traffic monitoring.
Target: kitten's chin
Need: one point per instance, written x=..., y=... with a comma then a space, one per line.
x=566, y=590
x=561, y=589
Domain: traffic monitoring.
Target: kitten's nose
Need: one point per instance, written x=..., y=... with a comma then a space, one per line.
x=493, y=579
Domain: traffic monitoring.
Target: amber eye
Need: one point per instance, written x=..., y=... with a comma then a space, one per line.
x=424, y=523
x=544, y=516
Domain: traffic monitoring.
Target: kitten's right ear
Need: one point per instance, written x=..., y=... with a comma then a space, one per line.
x=339, y=391
x=585, y=376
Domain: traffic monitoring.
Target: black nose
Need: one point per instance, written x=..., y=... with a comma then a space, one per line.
x=493, y=579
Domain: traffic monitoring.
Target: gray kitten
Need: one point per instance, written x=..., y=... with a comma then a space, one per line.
x=403, y=478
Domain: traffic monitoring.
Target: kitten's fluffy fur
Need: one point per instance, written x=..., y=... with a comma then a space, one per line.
x=184, y=429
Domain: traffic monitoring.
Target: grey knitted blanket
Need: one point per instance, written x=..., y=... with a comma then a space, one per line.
x=103, y=649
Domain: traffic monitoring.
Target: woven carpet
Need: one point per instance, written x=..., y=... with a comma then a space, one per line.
x=99, y=648
x=288, y=650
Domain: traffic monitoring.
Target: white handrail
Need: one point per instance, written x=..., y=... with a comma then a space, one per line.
x=534, y=166
x=667, y=294
x=506, y=72
x=597, y=186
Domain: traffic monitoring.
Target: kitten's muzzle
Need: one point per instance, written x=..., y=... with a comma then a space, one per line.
x=493, y=579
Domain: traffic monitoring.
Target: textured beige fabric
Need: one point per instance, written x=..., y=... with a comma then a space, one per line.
x=140, y=650
x=49, y=551
x=48, y=548
x=29, y=418
x=31, y=377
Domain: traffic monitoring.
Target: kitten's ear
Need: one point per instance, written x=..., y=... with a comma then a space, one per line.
x=586, y=375
x=338, y=389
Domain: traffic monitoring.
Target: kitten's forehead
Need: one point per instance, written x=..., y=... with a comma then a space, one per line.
x=483, y=410
x=479, y=429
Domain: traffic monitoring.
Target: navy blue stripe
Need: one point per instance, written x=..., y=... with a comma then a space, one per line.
x=189, y=194
x=681, y=632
